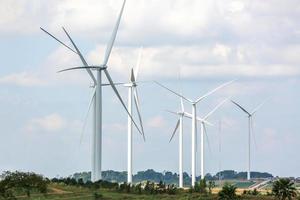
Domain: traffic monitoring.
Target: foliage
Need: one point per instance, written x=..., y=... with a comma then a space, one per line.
x=284, y=189
x=21, y=181
x=228, y=192
x=200, y=187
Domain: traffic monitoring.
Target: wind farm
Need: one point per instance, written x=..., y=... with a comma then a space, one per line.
x=138, y=136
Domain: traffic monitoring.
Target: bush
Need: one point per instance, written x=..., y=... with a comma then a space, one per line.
x=228, y=192
x=284, y=189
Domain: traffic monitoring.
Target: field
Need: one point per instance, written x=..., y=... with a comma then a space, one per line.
x=62, y=192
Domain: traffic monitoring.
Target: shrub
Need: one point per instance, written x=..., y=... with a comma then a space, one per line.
x=284, y=189
x=228, y=192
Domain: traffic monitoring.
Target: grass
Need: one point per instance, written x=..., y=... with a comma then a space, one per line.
x=62, y=192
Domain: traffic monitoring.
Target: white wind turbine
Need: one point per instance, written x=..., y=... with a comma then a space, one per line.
x=204, y=131
x=250, y=129
x=97, y=95
x=194, y=121
x=179, y=125
x=133, y=93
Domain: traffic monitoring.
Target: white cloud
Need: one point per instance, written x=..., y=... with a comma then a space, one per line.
x=204, y=38
x=156, y=122
x=49, y=123
x=221, y=50
x=22, y=79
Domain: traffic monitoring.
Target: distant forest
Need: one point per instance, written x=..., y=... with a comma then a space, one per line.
x=167, y=177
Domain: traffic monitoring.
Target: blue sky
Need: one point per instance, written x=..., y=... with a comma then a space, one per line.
x=209, y=42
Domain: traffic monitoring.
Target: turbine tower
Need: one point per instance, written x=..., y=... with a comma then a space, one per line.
x=133, y=93
x=250, y=128
x=194, y=121
x=179, y=125
x=97, y=94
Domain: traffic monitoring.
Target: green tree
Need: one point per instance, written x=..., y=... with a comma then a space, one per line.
x=228, y=192
x=284, y=189
x=12, y=181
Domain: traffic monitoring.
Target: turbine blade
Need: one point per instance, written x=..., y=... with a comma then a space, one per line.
x=108, y=84
x=87, y=114
x=132, y=78
x=214, y=90
x=259, y=106
x=187, y=115
x=216, y=108
x=58, y=40
x=169, y=111
x=75, y=68
x=138, y=109
x=243, y=109
x=207, y=138
x=176, y=127
x=138, y=63
x=120, y=98
x=182, y=105
x=190, y=116
x=113, y=36
x=204, y=121
x=173, y=92
x=81, y=57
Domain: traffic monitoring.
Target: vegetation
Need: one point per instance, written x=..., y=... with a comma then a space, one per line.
x=16, y=183
x=167, y=177
x=228, y=192
x=20, y=185
x=284, y=189
x=230, y=174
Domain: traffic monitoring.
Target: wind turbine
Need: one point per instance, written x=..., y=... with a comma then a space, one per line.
x=203, y=130
x=179, y=125
x=97, y=94
x=250, y=129
x=133, y=93
x=194, y=121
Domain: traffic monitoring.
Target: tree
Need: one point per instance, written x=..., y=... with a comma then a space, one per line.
x=21, y=181
x=284, y=189
x=228, y=192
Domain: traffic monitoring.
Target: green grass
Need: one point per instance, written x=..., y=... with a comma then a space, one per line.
x=61, y=192
x=243, y=184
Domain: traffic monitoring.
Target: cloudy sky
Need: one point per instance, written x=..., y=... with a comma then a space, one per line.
x=207, y=41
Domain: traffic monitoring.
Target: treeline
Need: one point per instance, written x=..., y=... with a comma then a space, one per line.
x=231, y=174
x=167, y=177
